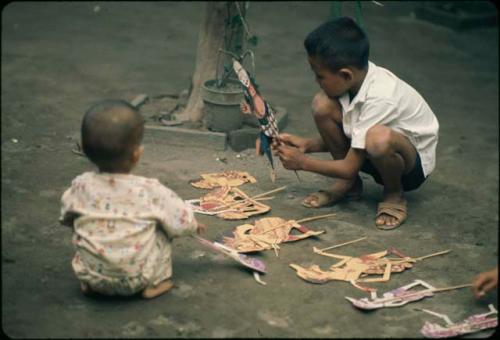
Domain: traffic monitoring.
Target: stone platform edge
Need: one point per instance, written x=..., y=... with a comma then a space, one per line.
x=238, y=140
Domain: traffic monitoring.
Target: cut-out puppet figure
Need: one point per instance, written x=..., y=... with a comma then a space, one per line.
x=472, y=324
x=267, y=233
x=400, y=296
x=228, y=203
x=255, y=104
x=230, y=178
x=356, y=269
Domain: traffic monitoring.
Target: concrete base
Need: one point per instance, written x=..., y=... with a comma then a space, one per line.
x=185, y=137
x=239, y=140
x=244, y=138
x=458, y=16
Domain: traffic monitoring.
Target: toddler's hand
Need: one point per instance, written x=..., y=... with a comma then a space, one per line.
x=200, y=228
x=485, y=282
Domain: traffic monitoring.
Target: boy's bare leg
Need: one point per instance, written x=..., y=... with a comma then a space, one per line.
x=393, y=155
x=327, y=115
x=154, y=291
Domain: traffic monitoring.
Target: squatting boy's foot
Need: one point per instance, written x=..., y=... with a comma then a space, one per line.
x=341, y=190
x=154, y=291
x=391, y=213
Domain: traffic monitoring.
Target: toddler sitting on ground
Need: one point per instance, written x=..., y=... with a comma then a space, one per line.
x=123, y=224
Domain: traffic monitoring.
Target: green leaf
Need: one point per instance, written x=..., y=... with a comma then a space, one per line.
x=236, y=21
x=253, y=40
x=335, y=9
x=359, y=14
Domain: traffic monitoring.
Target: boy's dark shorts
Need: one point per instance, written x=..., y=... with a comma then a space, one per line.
x=410, y=181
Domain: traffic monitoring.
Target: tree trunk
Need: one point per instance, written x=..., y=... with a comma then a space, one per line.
x=210, y=39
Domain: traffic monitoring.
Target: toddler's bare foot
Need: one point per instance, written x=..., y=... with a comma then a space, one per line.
x=154, y=291
x=85, y=288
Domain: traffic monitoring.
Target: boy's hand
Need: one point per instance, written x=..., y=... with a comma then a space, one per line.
x=257, y=148
x=485, y=282
x=200, y=228
x=291, y=157
x=291, y=140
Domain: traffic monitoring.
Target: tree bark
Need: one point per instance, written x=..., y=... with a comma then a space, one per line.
x=210, y=39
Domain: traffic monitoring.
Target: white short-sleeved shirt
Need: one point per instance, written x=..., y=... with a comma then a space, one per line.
x=385, y=99
x=115, y=229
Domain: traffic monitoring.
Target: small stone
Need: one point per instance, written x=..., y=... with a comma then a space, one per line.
x=97, y=9
x=238, y=156
x=14, y=140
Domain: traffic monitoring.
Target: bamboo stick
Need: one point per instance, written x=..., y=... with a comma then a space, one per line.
x=314, y=218
x=431, y=255
x=256, y=196
x=299, y=221
x=264, y=198
x=342, y=244
x=453, y=287
x=268, y=192
x=235, y=203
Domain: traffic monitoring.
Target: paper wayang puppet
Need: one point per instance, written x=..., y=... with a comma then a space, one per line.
x=255, y=104
x=231, y=203
x=357, y=269
x=267, y=233
x=400, y=296
x=472, y=324
x=230, y=178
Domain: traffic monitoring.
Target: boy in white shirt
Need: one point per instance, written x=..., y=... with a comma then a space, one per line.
x=123, y=224
x=368, y=119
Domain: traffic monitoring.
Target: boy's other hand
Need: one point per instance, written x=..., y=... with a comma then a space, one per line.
x=291, y=157
x=292, y=140
x=484, y=282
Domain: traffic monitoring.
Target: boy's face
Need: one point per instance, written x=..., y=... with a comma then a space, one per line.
x=334, y=84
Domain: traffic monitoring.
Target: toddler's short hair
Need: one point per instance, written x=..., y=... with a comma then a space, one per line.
x=111, y=130
x=339, y=43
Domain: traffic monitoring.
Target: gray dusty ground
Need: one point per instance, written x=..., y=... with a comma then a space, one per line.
x=59, y=57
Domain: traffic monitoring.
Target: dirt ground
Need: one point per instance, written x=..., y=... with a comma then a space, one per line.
x=59, y=57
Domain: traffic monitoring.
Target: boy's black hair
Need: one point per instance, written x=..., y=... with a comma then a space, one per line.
x=339, y=43
x=111, y=130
